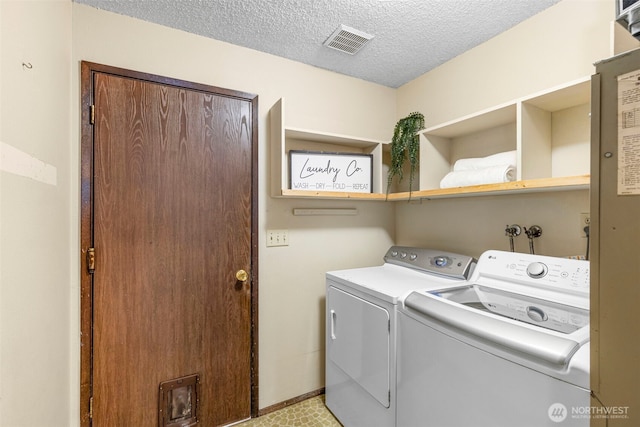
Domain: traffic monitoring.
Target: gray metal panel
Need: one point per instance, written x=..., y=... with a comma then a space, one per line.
x=594, y=250
x=615, y=230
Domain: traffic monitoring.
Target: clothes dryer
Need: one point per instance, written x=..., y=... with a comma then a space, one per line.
x=361, y=329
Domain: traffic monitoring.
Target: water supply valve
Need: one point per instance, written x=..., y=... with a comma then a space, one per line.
x=533, y=232
x=512, y=231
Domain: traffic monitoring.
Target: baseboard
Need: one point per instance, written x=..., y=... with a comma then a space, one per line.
x=289, y=402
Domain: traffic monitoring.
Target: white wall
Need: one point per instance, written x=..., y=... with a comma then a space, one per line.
x=291, y=301
x=475, y=224
x=35, y=219
x=556, y=46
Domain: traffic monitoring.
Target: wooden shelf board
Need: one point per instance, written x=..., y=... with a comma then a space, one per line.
x=580, y=182
x=568, y=183
x=332, y=195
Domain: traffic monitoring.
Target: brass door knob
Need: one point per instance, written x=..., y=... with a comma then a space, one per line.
x=242, y=275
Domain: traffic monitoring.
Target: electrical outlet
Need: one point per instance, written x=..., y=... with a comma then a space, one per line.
x=585, y=220
x=277, y=238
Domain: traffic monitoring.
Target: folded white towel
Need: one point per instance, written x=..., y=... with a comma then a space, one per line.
x=489, y=175
x=499, y=159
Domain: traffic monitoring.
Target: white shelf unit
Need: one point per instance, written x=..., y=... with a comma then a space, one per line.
x=284, y=138
x=549, y=130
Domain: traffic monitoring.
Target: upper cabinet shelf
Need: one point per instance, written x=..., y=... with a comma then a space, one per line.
x=474, y=123
x=549, y=132
x=285, y=138
x=329, y=138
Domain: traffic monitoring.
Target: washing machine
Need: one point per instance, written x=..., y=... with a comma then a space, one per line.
x=510, y=348
x=361, y=329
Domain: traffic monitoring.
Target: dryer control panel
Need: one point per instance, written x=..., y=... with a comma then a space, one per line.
x=431, y=261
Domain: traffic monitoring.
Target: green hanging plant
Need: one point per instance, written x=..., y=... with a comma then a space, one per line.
x=405, y=144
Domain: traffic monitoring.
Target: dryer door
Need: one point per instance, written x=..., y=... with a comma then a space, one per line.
x=358, y=341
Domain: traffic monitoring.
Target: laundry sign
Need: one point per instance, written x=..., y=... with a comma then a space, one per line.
x=320, y=171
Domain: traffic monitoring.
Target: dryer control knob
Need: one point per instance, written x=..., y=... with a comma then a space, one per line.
x=536, y=270
x=441, y=261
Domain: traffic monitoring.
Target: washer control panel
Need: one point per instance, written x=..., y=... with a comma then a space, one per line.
x=431, y=261
x=537, y=270
x=562, y=274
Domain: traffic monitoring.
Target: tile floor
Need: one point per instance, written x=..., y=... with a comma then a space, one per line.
x=308, y=413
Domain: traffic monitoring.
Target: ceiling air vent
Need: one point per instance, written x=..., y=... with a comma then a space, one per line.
x=347, y=40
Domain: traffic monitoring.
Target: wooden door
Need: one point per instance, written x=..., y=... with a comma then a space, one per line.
x=169, y=206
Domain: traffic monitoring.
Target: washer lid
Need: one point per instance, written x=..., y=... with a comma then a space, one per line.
x=536, y=343
x=534, y=311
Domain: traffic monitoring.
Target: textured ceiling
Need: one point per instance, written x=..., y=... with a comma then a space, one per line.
x=411, y=37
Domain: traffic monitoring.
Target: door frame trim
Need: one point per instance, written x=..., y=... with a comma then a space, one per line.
x=88, y=69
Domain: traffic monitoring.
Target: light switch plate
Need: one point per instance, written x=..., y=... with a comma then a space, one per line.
x=277, y=238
